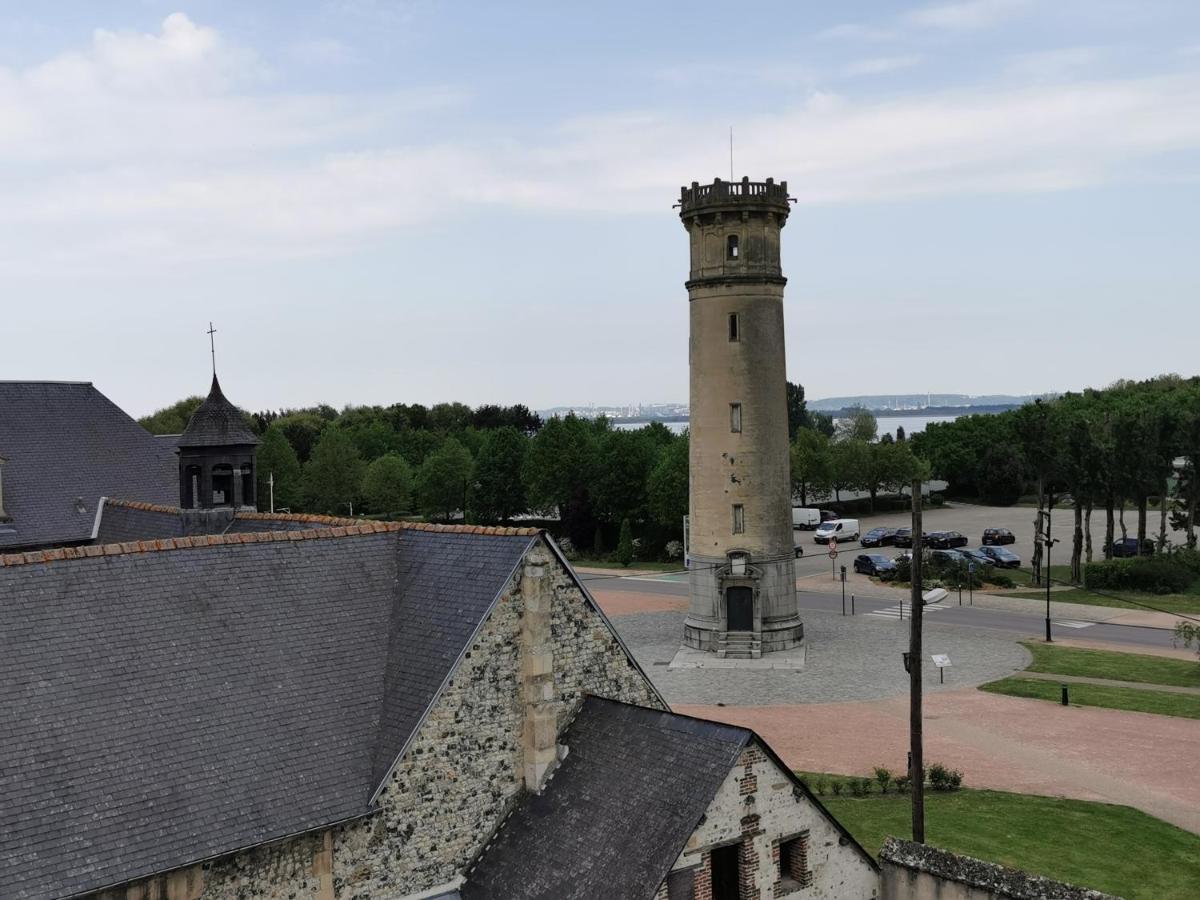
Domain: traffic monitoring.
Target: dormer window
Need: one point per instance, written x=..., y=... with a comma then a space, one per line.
x=731, y=247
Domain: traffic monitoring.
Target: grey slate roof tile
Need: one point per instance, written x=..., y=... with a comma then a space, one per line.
x=167, y=706
x=217, y=423
x=618, y=811
x=67, y=441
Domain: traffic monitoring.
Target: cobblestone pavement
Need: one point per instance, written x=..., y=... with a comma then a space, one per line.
x=849, y=658
x=1006, y=743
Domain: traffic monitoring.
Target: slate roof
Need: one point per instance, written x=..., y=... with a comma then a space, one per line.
x=217, y=423
x=618, y=811
x=166, y=701
x=66, y=443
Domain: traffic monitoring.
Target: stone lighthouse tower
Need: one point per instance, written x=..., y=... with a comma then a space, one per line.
x=743, y=575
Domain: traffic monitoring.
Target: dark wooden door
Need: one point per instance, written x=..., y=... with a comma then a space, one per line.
x=725, y=863
x=739, y=606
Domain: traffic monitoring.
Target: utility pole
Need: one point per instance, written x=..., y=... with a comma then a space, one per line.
x=271, y=482
x=1050, y=542
x=916, y=756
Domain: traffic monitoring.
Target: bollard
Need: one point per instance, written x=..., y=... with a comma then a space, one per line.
x=1065, y=696
x=851, y=604
x=901, y=610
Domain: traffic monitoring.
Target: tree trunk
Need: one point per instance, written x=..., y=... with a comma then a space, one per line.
x=1162, y=518
x=1077, y=544
x=1191, y=508
x=1109, y=526
x=1121, y=513
x=874, y=488
x=1037, y=541
x=804, y=493
x=1141, y=520
x=1087, y=532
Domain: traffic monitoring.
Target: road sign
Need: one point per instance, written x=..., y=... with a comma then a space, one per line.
x=833, y=543
x=941, y=660
x=833, y=554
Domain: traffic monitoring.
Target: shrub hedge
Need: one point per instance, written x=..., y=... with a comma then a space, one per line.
x=1157, y=575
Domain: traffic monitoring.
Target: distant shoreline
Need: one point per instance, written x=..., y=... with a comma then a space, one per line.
x=930, y=411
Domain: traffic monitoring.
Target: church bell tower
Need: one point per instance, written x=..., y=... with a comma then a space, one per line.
x=217, y=456
x=742, y=568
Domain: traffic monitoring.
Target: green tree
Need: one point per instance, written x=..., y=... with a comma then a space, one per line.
x=333, y=474
x=851, y=461
x=443, y=478
x=812, y=465
x=560, y=472
x=387, y=485
x=302, y=430
x=625, y=543
x=497, y=490
x=172, y=419
x=277, y=460
x=860, y=425
x=667, y=485
x=625, y=461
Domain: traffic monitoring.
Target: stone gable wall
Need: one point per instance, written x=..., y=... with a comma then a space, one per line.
x=758, y=806
x=459, y=778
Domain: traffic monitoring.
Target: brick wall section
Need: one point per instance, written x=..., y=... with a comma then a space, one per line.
x=704, y=878
x=460, y=776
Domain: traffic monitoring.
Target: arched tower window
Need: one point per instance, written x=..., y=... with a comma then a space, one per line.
x=731, y=247
x=191, y=487
x=247, y=484
x=222, y=485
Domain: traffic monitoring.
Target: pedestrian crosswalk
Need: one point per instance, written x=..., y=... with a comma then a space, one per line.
x=1073, y=623
x=902, y=611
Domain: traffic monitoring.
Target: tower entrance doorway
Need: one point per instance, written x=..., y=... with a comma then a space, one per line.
x=739, y=609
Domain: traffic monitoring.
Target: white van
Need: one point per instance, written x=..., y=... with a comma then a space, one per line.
x=836, y=529
x=805, y=518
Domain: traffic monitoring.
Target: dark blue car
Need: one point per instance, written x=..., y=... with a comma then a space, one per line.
x=874, y=564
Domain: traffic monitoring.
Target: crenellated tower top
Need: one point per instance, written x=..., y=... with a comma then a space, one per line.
x=734, y=228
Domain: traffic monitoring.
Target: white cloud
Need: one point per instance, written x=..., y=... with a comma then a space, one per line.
x=966, y=15
x=1059, y=63
x=99, y=167
x=881, y=65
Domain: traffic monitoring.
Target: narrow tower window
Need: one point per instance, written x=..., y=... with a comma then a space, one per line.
x=731, y=246
x=735, y=327
x=735, y=418
x=739, y=519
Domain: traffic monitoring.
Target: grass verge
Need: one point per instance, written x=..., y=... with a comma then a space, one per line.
x=1110, y=848
x=1171, y=603
x=1186, y=706
x=1058, y=660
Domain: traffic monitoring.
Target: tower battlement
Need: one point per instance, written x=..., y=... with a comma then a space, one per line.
x=733, y=195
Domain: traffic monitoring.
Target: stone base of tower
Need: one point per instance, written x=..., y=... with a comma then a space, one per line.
x=742, y=614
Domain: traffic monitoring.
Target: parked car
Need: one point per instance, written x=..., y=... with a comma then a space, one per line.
x=878, y=537
x=828, y=515
x=805, y=518
x=978, y=557
x=1001, y=558
x=836, y=530
x=903, y=537
x=996, y=536
x=946, y=540
x=874, y=564
x=950, y=558
x=1128, y=546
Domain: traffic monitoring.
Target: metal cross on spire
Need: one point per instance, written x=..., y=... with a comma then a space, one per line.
x=212, y=347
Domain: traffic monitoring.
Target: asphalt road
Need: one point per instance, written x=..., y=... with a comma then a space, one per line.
x=946, y=613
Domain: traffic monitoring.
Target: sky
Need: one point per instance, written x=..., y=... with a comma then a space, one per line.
x=422, y=201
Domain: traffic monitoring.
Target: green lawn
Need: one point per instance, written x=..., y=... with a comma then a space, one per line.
x=1172, y=603
x=1118, y=666
x=1110, y=848
x=1158, y=702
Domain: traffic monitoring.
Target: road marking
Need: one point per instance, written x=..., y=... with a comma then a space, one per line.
x=894, y=612
x=1071, y=623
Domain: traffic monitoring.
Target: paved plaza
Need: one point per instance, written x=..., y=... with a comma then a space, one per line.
x=848, y=658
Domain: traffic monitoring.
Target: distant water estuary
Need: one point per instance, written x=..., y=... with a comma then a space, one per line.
x=887, y=424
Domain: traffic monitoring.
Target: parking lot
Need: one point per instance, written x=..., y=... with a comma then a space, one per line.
x=971, y=520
